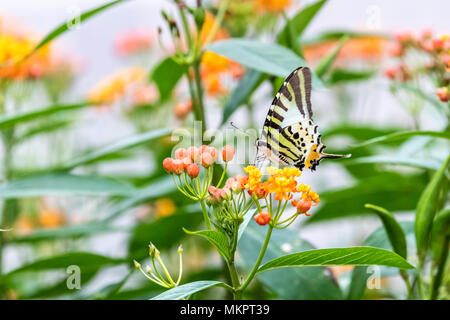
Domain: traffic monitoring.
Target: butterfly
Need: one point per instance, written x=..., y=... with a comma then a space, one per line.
x=289, y=135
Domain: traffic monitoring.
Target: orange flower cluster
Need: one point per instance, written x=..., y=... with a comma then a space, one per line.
x=363, y=48
x=132, y=42
x=123, y=82
x=213, y=66
x=282, y=184
x=13, y=49
x=438, y=51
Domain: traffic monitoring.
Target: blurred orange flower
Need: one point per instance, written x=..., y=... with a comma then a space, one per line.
x=366, y=48
x=272, y=5
x=51, y=218
x=133, y=41
x=214, y=66
x=115, y=86
x=13, y=49
x=164, y=207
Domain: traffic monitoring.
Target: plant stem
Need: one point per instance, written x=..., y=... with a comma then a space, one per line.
x=437, y=278
x=258, y=261
x=217, y=23
x=205, y=214
x=199, y=86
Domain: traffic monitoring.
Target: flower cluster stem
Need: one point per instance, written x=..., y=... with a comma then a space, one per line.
x=205, y=214
x=259, y=260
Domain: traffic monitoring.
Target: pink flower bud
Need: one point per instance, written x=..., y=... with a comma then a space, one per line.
x=167, y=165
x=193, y=153
x=206, y=159
x=193, y=170
x=227, y=153
x=177, y=166
x=214, y=153
x=186, y=162
x=262, y=218
x=443, y=94
x=303, y=205
x=180, y=153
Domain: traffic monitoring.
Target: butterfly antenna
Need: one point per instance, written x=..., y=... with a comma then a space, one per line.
x=335, y=156
x=237, y=128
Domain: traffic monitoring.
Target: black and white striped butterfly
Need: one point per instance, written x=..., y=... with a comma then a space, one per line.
x=289, y=135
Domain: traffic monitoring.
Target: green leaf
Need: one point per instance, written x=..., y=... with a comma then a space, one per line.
x=338, y=75
x=187, y=289
x=440, y=231
x=268, y=58
x=291, y=284
x=242, y=92
x=123, y=144
x=247, y=218
x=300, y=21
x=379, y=239
x=384, y=189
x=65, y=26
x=166, y=76
x=63, y=185
x=47, y=128
x=81, y=230
x=355, y=256
x=393, y=229
x=401, y=136
x=398, y=159
x=163, y=233
x=84, y=260
x=426, y=208
x=158, y=188
x=325, y=64
x=219, y=240
x=11, y=120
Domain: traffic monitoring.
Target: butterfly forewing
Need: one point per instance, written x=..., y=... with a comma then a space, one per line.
x=292, y=104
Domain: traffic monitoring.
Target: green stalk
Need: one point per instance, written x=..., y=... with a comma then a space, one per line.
x=437, y=278
x=231, y=266
x=258, y=261
x=205, y=214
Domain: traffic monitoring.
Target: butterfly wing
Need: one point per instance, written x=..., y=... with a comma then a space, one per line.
x=292, y=103
x=289, y=135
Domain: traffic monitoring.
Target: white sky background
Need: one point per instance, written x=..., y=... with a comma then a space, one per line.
x=93, y=41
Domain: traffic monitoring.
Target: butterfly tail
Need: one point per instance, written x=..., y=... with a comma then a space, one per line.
x=335, y=156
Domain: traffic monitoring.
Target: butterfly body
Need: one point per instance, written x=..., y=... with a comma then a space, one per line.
x=289, y=135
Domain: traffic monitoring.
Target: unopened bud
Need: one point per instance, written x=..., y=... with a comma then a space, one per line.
x=180, y=249
x=137, y=264
x=153, y=251
x=199, y=17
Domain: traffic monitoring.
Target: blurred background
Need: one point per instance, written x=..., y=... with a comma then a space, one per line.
x=97, y=48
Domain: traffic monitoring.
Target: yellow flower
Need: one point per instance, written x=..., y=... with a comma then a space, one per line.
x=307, y=193
x=164, y=207
x=282, y=182
x=213, y=62
x=13, y=49
x=114, y=87
x=254, y=177
x=51, y=218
